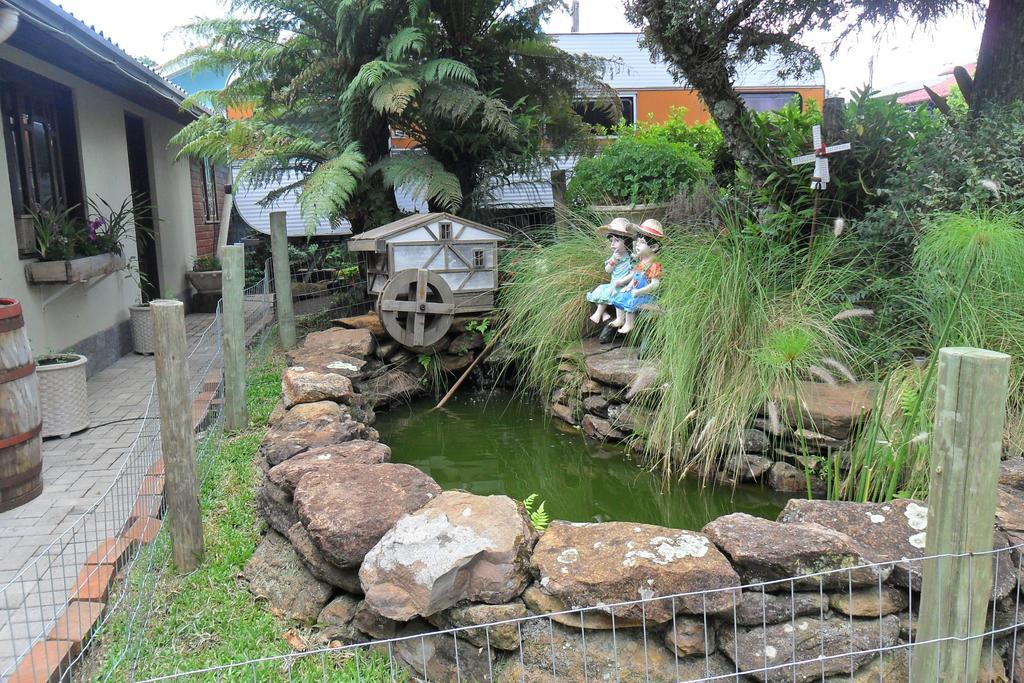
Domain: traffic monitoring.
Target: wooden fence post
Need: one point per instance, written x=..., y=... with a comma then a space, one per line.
x=970, y=410
x=236, y=413
x=177, y=438
x=282, y=278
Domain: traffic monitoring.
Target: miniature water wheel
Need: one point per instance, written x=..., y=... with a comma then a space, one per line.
x=417, y=307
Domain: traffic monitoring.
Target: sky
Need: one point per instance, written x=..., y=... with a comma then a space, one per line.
x=904, y=54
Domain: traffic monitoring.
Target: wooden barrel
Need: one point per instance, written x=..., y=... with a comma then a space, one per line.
x=21, y=463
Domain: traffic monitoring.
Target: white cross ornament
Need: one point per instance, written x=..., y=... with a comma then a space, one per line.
x=820, y=159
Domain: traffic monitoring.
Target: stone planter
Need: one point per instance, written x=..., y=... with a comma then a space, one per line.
x=143, y=336
x=74, y=270
x=63, y=394
x=205, y=281
x=637, y=213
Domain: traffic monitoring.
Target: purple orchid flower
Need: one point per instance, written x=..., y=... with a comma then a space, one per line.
x=94, y=226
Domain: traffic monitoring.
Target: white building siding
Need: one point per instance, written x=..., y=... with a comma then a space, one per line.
x=247, y=203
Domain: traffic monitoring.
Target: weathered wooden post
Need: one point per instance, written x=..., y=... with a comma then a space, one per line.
x=177, y=440
x=236, y=414
x=282, y=278
x=966, y=444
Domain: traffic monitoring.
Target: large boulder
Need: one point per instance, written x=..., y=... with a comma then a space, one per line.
x=552, y=652
x=358, y=452
x=889, y=532
x=277, y=575
x=590, y=565
x=832, y=410
x=347, y=509
x=618, y=367
x=302, y=385
x=810, y=645
x=457, y=547
x=287, y=439
x=319, y=566
x=766, y=551
x=391, y=387
x=350, y=342
x=504, y=635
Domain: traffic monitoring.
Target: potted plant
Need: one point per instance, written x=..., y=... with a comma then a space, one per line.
x=63, y=394
x=205, y=276
x=635, y=178
x=72, y=249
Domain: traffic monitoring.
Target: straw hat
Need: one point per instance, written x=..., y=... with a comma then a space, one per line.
x=651, y=228
x=618, y=226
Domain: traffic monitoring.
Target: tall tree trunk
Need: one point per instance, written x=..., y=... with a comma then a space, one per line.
x=999, y=78
x=730, y=114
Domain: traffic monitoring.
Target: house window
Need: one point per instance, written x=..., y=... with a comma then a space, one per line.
x=446, y=231
x=770, y=101
x=40, y=141
x=478, y=258
x=210, y=208
x=601, y=115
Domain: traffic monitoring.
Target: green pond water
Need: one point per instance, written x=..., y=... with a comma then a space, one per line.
x=489, y=443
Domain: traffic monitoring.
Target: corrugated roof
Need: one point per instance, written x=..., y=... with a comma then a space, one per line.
x=941, y=87
x=635, y=70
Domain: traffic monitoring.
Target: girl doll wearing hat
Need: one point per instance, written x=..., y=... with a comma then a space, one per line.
x=619, y=265
x=645, y=277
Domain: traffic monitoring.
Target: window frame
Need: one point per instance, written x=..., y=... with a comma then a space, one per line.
x=790, y=93
x=622, y=95
x=444, y=231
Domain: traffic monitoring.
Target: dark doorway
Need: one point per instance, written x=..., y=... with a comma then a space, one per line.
x=145, y=226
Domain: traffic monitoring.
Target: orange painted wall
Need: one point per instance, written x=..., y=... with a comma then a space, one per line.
x=660, y=102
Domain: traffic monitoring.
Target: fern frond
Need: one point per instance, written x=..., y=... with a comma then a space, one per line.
x=408, y=41
x=371, y=75
x=528, y=502
x=424, y=177
x=394, y=95
x=447, y=70
x=329, y=188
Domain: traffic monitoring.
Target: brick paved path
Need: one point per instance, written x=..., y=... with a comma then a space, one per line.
x=45, y=542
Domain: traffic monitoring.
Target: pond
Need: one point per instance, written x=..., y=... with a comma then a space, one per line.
x=490, y=443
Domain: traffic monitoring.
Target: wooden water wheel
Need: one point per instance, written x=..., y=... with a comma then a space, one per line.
x=417, y=307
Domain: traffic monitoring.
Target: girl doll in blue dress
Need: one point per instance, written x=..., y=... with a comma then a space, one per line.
x=644, y=279
x=619, y=265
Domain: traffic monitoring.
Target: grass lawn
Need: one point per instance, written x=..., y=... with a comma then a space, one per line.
x=169, y=622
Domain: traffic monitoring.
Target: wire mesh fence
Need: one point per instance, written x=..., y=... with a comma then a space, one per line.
x=852, y=624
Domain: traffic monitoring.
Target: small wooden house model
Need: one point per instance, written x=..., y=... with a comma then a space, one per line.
x=427, y=267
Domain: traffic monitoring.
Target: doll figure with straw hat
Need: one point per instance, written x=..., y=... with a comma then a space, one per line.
x=645, y=277
x=619, y=265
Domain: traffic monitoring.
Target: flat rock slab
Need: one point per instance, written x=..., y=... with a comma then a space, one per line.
x=350, y=342
x=831, y=410
x=589, y=565
x=540, y=602
x=321, y=360
x=357, y=452
x=810, y=646
x=302, y=385
x=458, y=547
x=347, y=509
x=277, y=575
x=368, y=321
x=618, y=367
x=757, y=608
x=309, y=412
x=287, y=439
x=552, y=652
x=766, y=551
x=890, y=532
x=503, y=636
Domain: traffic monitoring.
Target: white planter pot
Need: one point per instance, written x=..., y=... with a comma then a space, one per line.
x=63, y=396
x=143, y=337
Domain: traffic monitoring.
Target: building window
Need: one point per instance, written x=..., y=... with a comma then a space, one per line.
x=210, y=208
x=478, y=258
x=770, y=101
x=40, y=141
x=446, y=231
x=602, y=116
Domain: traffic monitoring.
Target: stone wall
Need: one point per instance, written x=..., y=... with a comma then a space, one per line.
x=359, y=549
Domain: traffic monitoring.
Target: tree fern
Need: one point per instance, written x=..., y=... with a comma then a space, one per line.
x=328, y=189
x=408, y=41
x=447, y=70
x=424, y=177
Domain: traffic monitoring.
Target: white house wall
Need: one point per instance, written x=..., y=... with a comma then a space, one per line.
x=82, y=312
x=247, y=202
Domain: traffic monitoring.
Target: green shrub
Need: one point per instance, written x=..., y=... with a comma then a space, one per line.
x=704, y=138
x=976, y=166
x=636, y=170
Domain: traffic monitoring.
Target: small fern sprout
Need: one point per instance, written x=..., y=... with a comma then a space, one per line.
x=539, y=517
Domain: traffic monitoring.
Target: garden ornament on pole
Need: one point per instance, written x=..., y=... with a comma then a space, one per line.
x=820, y=158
